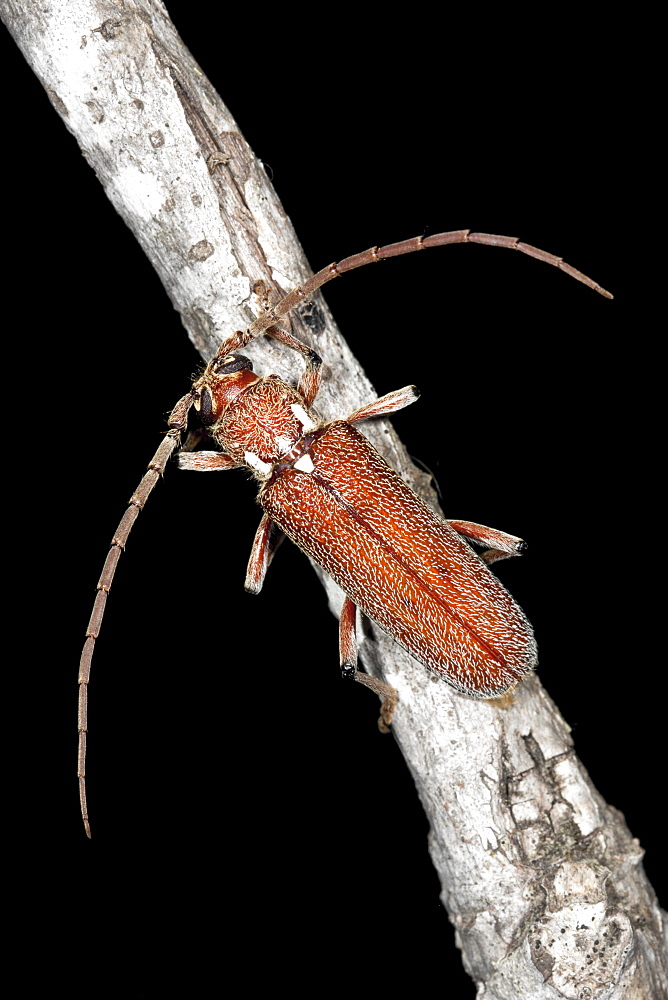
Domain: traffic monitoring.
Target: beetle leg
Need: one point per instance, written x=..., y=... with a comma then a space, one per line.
x=348, y=652
x=205, y=461
x=309, y=383
x=267, y=539
x=348, y=637
x=502, y=545
x=194, y=439
x=389, y=403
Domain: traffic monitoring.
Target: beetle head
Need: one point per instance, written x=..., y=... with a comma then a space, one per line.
x=223, y=379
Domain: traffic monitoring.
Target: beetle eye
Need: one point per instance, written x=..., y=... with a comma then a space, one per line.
x=204, y=407
x=233, y=363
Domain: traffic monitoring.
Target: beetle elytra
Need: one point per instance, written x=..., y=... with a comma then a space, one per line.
x=325, y=487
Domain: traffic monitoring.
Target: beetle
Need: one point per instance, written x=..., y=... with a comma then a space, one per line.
x=324, y=486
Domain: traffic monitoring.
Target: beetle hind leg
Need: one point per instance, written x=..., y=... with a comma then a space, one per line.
x=348, y=652
x=501, y=544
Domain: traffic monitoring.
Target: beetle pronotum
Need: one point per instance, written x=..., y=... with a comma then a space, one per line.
x=326, y=488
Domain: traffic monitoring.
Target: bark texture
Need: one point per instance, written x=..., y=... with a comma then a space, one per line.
x=542, y=879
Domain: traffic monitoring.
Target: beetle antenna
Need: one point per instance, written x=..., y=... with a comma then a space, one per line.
x=298, y=295
x=177, y=422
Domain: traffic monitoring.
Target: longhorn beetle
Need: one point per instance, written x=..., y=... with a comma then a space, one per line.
x=326, y=488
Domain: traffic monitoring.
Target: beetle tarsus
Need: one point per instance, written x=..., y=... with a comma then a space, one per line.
x=388, y=695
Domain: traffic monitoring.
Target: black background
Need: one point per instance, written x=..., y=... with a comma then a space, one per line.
x=233, y=778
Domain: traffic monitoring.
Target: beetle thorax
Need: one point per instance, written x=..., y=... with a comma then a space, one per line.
x=262, y=424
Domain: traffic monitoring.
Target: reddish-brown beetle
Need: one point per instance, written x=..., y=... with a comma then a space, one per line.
x=326, y=488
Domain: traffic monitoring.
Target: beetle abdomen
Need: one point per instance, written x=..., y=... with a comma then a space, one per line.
x=405, y=568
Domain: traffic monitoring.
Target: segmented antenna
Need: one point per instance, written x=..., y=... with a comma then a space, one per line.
x=171, y=441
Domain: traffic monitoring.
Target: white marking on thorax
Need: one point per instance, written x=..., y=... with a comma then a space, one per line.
x=303, y=417
x=305, y=464
x=264, y=468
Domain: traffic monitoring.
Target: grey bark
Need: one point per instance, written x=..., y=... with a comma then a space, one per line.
x=542, y=879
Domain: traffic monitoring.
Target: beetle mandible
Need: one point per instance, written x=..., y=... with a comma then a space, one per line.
x=326, y=488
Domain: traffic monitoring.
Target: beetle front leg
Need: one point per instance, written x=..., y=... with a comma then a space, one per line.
x=205, y=461
x=267, y=539
x=309, y=383
x=348, y=653
x=501, y=544
x=389, y=403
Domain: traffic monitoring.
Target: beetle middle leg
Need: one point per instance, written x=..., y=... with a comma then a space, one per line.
x=348, y=652
x=267, y=539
